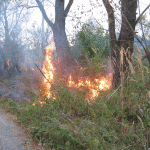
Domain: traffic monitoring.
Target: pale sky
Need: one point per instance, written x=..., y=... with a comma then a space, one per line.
x=85, y=10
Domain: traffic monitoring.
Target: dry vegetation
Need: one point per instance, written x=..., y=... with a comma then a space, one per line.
x=116, y=119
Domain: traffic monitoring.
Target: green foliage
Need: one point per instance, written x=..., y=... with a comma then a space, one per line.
x=92, y=40
x=115, y=120
x=146, y=27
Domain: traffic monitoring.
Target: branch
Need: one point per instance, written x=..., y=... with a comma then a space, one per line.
x=68, y=7
x=146, y=50
x=111, y=19
x=137, y=20
x=143, y=30
x=42, y=73
x=117, y=88
x=30, y=6
x=44, y=14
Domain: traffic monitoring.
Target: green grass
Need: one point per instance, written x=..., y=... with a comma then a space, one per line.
x=121, y=122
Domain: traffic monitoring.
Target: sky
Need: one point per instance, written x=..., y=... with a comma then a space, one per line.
x=80, y=12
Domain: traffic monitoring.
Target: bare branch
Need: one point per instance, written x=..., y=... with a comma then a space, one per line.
x=44, y=14
x=137, y=20
x=31, y=7
x=68, y=7
x=143, y=30
x=111, y=19
x=42, y=73
x=146, y=50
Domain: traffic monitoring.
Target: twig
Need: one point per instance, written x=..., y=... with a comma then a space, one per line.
x=137, y=20
x=118, y=88
x=120, y=85
x=140, y=121
x=42, y=73
x=142, y=26
x=65, y=116
x=146, y=50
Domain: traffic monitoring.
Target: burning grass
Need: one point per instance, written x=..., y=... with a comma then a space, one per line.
x=93, y=84
x=119, y=121
x=70, y=122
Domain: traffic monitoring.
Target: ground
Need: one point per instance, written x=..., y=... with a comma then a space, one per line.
x=12, y=136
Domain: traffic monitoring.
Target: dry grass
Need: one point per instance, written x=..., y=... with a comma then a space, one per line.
x=119, y=121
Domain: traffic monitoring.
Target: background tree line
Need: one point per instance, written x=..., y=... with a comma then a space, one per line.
x=90, y=39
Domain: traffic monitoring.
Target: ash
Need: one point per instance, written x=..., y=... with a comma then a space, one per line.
x=16, y=85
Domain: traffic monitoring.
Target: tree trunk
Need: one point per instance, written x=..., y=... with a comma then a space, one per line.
x=60, y=38
x=4, y=59
x=7, y=39
x=126, y=38
x=10, y=46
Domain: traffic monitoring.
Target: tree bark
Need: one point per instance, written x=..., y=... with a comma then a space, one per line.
x=126, y=37
x=60, y=38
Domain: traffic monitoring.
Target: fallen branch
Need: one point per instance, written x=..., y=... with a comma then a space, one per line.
x=42, y=73
x=119, y=86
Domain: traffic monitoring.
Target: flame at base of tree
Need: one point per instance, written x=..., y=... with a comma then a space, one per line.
x=48, y=70
x=93, y=86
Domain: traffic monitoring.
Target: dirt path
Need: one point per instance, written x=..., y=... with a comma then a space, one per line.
x=10, y=136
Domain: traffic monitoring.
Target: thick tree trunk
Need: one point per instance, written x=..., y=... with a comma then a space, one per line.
x=60, y=38
x=126, y=38
x=62, y=45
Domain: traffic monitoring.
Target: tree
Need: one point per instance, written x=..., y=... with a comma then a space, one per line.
x=126, y=37
x=58, y=27
x=11, y=18
x=91, y=40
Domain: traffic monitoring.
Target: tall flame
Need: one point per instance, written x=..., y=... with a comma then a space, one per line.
x=94, y=86
x=48, y=70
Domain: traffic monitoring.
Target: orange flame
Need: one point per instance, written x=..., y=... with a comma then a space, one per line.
x=48, y=70
x=94, y=86
x=101, y=84
x=8, y=64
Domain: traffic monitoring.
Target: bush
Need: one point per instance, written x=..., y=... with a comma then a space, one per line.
x=92, y=40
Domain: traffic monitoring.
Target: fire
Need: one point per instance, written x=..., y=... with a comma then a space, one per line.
x=70, y=82
x=39, y=102
x=101, y=84
x=93, y=86
x=8, y=64
x=48, y=70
